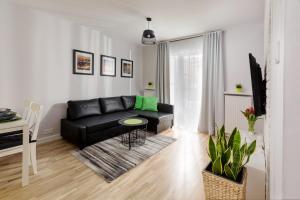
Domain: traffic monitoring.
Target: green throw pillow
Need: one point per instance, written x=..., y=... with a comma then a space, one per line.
x=150, y=103
x=138, y=102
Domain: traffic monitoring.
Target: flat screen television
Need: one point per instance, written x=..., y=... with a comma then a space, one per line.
x=258, y=87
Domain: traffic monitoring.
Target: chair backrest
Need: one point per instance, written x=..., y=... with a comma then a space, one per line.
x=35, y=119
x=26, y=112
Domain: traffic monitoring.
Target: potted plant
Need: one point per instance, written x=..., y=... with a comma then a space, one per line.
x=238, y=88
x=225, y=176
x=150, y=85
x=249, y=113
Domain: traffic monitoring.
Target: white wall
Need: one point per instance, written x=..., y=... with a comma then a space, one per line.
x=284, y=97
x=239, y=41
x=275, y=102
x=291, y=95
x=36, y=62
x=149, y=64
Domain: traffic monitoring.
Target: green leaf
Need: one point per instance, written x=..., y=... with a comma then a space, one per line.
x=226, y=156
x=251, y=148
x=208, y=153
x=224, y=144
x=243, y=151
x=252, y=117
x=219, y=147
x=248, y=158
x=223, y=138
x=229, y=172
x=212, y=149
x=222, y=131
x=236, y=141
x=236, y=164
x=230, y=141
x=218, y=133
x=217, y=166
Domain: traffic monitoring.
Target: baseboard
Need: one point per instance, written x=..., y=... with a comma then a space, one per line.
x=49, y=138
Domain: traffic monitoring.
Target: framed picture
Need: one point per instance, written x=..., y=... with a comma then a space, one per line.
x=83, y=62
x=126, y=68
x=107, y=66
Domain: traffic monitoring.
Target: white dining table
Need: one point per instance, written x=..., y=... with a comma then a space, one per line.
x=19, y=125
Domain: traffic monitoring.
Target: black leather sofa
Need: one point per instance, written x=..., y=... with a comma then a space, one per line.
x=91, y=121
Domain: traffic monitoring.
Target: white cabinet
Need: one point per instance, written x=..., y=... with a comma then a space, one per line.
x=149, y=92
x=234, y=104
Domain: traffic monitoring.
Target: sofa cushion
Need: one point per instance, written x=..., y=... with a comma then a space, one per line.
x=128, y=102
x=138, y=102
x=150, y=104
x=112, y=104
x=105, y=121
x=83, y=108
x=150, y=115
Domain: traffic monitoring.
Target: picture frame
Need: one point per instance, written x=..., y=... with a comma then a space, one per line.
x=126, y=68
x=108, y=66
x=83, y=62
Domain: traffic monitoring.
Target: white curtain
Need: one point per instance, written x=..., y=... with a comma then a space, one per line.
x=185, y=82
x=212, y=107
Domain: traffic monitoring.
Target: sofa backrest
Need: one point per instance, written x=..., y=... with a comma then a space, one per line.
x=83, y=108
x=128, y=102
x=111, y=104
x=86, y=108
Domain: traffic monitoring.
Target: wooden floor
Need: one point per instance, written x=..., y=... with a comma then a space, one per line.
x=174, y=173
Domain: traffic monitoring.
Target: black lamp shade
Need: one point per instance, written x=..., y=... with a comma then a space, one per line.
x=148, y=37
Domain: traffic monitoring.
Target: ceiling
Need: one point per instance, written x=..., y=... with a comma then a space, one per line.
x=171, y=18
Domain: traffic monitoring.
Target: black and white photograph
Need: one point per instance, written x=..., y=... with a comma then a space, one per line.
x=126, y=68
x=108, y=66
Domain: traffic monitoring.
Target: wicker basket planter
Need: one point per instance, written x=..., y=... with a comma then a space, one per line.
x=220, y=188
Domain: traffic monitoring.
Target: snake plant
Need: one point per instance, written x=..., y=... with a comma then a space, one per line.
x=228, y=157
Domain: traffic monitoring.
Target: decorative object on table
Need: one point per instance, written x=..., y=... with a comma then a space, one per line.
x=249, y=113
x=126, y=68
x=238, y=88
x=148, y=37
x=2, y=110
x=225, y=176
x=107, y=66
x=6, y=115
x=83, y=62
x=111, y=159
x=150, y=86
x=134, y=131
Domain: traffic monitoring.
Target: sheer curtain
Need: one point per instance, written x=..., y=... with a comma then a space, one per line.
x=185, y=82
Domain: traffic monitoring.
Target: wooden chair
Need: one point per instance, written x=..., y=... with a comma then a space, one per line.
x=11, y=142
x=26, y=112
x=34, y=124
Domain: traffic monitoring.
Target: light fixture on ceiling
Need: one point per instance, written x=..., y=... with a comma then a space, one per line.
x=148, y=37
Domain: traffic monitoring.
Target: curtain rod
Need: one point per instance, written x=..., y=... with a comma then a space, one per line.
x=189, y=37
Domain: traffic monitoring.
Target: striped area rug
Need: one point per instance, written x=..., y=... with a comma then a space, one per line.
x=110, y=159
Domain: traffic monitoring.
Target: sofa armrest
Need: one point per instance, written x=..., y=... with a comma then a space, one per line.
x=73, y=132
x=165, y=108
